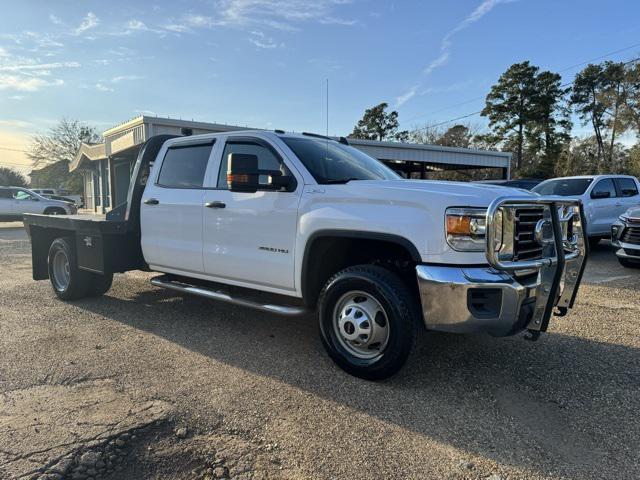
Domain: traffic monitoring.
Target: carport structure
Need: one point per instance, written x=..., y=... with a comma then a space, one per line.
x=106, y=167
x=416, y=161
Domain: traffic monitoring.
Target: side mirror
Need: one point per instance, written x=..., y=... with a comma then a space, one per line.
x=242, y=173
x=600, y=194
x=35, y=199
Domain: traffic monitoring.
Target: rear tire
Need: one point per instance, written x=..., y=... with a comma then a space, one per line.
x=67, y=280
x=367, y=321
x=99, y=284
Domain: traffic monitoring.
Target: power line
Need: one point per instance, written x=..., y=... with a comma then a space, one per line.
x=571, y=67
x=433, y=125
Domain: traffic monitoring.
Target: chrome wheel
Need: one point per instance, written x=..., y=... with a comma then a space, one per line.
x=361, y=325
x=61, y=271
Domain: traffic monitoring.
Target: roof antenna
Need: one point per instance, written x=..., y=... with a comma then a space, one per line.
x=327, y=129
x=327, y=107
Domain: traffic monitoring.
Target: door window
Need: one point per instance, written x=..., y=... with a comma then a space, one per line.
x=184, y=166
x=5, y=193
x=267, y=160
x=627, y=187
x=605, y=185
x=22, y=195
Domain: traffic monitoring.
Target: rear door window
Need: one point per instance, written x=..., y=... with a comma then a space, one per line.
x=627, y=187
x=184, y=166
x=605, y=185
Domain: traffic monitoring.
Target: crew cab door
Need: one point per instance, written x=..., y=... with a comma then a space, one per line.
x=604, y=203
x=628, y=194
x=6, y=202
x=25, y=202
x=171, y=209
x=249, y=238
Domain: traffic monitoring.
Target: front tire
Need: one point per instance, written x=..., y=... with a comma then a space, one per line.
x=67, y=280
x=593, y=242
x=55, y=211
x=367, y=321
x=628, y=264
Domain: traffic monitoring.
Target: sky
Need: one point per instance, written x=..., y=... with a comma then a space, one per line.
x=265, y=63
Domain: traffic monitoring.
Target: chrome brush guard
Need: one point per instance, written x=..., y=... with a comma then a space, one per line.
x=560, y=233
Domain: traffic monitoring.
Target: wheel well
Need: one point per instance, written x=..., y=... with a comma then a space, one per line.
x=41, y=240
x=54, y=209
x=326, y=255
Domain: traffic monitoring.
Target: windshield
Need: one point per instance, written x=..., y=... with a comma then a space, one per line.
x=332, y=162
x=565, y=187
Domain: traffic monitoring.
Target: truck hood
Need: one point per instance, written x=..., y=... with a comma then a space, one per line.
x=633, y=214
x=465, y=194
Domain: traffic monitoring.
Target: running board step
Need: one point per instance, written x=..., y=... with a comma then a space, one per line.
x=165, y=281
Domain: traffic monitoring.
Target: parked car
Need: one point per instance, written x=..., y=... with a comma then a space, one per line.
x=289, y=223
x=524, y=183
x=17, y=201
x=605, y=198
x=56, y=193
x=625, y=235
x=58, y=197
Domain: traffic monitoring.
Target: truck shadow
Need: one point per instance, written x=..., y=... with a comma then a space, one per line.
x=570, y=400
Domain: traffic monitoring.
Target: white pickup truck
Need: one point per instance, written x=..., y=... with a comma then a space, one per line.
x=290, y=223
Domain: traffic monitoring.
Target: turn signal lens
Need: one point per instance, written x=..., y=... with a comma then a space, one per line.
x=466, y=228
x=458, y=225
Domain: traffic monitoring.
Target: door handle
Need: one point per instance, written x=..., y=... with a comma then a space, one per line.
x=151, y=201
x=215, y=204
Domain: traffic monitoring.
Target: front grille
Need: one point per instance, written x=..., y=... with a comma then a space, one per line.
x=525, y=246
x=631, y=235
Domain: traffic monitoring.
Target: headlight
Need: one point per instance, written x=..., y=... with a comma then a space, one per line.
x=466, y=229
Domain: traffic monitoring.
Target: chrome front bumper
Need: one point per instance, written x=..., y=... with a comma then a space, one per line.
x=510, y=296
x=626, y=250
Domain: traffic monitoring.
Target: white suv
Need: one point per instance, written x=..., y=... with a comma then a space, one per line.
x=605, y=198
x=16, y=201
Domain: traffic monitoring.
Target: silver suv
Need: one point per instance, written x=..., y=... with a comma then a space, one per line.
x=16, y=201
x=605, y=198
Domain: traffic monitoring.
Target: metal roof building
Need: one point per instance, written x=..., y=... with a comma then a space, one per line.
x=107, y=166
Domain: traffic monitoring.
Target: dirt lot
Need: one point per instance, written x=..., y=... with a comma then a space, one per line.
x=144, y=383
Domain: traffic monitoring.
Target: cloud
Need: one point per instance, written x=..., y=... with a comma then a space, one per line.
x=405, y=97
x=177, y=28
x=446, y=44
x=122, y=78
x=260, y=40
x=55, y=20
x=198, y=21
x=3, y=52
x=136, y=25
x=38, y=67
x=22, y=83
x=14, y=123
x=103, y=88
x=280, y=14
x=90, y=21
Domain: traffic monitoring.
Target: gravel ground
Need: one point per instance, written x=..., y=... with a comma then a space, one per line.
x=144, y=383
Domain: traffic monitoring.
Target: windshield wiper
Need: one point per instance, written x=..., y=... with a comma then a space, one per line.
x=338, y=181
